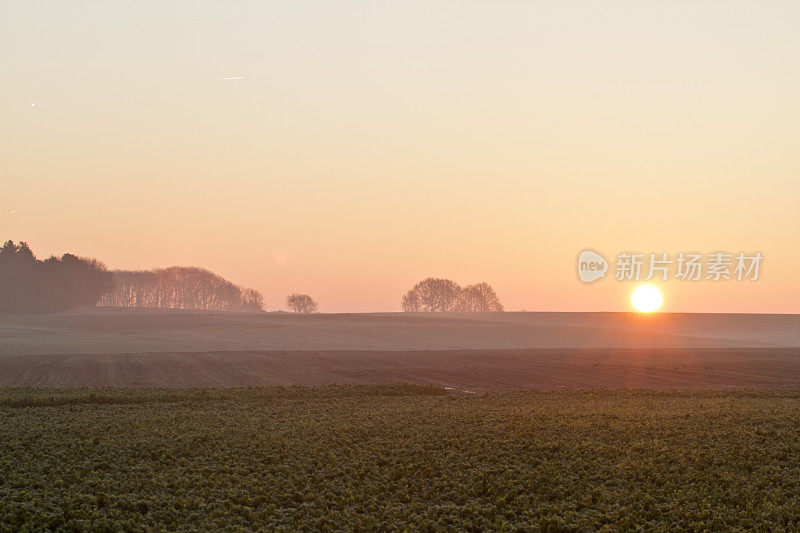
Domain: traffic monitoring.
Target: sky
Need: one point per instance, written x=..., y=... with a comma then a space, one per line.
x=364, y=146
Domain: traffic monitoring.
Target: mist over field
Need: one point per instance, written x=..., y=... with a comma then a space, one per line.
x=461, y=351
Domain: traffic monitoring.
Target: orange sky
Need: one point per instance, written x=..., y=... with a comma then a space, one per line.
x=370, y=145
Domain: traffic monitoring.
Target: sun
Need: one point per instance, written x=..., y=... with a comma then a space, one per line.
x=646, y=298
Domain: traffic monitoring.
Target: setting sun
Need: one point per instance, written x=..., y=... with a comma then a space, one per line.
x=646, y=299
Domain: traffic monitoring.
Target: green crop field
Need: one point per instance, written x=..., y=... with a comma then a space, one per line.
x=398, y=457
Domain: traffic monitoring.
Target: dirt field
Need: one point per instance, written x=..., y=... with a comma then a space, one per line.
x=137, y=331
x=461, y=370
x=471, y=353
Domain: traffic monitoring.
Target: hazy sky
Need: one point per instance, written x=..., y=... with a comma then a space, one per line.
x=371, y=144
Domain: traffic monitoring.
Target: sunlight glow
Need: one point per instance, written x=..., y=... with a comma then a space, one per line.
x=646, y=299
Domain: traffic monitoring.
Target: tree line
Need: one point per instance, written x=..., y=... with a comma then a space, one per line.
x=435, y=295
x=31, y=285
x=179, y=288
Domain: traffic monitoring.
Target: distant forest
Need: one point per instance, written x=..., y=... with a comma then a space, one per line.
x=179, y=288
x=30, y=285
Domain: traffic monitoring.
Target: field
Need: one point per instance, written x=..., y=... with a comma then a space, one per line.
x=462, y=370
x=394, y=456
x=112, y=331
x=463, y=352
x=139, y=420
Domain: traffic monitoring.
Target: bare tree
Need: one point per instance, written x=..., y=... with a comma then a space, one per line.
x=432, y=295
x=439, y=295
x=179, y=288
x=301, y=303
x=252, y=299
x=411, y=302
x=479, y=298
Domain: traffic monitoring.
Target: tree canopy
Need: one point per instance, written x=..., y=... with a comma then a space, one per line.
x=30, y=285
x=301, y=303
x=179, y=288
x=439, y=295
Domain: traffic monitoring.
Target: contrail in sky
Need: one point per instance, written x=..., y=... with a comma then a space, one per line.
x=233, y=78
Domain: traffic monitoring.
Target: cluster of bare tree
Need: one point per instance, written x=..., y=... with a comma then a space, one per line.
x=301, y=303
x=29, y=285
x=179, y=288
x=440, y=295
